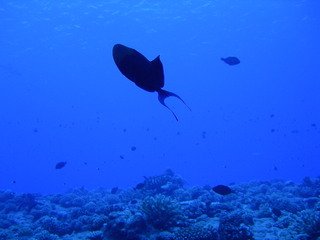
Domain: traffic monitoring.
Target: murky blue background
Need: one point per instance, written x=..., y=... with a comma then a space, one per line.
x=63, y=99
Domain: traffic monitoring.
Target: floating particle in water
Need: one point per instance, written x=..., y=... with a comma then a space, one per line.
x=60, y=165
x=133, y=148
x=122, y=156
x=271, y=115
x=35, y=130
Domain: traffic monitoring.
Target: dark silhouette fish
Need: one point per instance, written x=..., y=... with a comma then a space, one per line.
x=222, y=190
x=139, y=186
x=28, y=202
x=276, y=211
x=231, y=60
x=60, y=165
x=114, y=190
x=146, y=74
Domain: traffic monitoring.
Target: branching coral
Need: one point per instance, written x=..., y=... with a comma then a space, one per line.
x=54, y=226
x=124, y=225
x=196, y=232
x=160, y=211
x=309, y=223
x=234, y=226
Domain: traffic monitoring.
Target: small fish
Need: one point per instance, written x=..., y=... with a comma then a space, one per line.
x=204, y=134
x=222, y=190
x=146, y=74
x=139, y=186
x=231, y=60
x=60, y=165
x=114, y=190
x=276, y=211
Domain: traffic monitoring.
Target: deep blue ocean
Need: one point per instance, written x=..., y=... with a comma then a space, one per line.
x=63, y=99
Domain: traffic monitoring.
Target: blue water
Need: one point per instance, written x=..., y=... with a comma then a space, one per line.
x=63, y=99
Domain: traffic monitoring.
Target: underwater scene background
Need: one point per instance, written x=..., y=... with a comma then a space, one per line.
x=63, y=100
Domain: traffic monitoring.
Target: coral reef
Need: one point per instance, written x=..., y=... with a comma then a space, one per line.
x=309, y=223
x=235, y=226
x=196, y=232
x=125, y=225
x=161, y=212
x=162, y=209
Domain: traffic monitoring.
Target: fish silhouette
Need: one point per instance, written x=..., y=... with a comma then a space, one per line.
x=231, y=60
x=60, y=165
x=146, y=74
x=222, y=190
